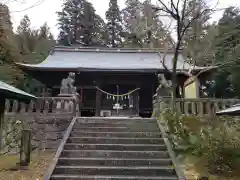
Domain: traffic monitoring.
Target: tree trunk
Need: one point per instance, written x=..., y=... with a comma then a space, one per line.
x=174, y=86
x=174, y=76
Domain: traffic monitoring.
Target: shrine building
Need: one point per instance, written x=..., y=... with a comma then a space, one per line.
x=106, y=77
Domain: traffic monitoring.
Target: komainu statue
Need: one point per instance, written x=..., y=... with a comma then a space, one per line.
x=67, y=84
x=164, y=88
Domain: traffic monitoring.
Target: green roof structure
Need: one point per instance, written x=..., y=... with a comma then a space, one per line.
x=8, y=91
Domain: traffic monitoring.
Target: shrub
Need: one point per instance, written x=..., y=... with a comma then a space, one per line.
x=217, y=140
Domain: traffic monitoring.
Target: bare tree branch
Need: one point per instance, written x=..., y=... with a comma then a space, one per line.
x=166, y=49
x=174, y=7
x=181, y=16
x=183, y=10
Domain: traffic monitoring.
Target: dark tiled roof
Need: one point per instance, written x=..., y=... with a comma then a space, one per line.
x=108, y=59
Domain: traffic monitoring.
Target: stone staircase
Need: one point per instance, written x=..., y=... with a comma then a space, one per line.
x=113, y=149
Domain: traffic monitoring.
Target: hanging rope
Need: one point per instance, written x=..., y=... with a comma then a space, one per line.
x=117, y=95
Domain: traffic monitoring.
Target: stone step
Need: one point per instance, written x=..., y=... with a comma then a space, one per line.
x=112, y=140
x=109, y=177
x=116, y=134
x=115, y=129
x=115, y=154
x=123, y=147
x=116, y=170
x=118, y=124
x=108, y=120
x=111, y=120
x=114, y=162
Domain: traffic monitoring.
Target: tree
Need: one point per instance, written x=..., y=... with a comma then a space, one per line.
x=24, y=26
x=44, y=32
x=178, y=12
x=26, y=36
x=143, y=26
x=8, y=51
x=156, y=35
x=227, y=54
x=132, y=23
x=34, y=45
x=114, y=24
x=198, y=40
x=78, y=23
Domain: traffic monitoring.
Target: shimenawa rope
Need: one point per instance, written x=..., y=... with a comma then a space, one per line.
x=117, y=95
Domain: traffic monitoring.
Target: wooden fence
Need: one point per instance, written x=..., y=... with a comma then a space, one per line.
x=198, y=107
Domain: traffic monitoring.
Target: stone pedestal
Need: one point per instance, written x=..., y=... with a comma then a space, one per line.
x=69, y=105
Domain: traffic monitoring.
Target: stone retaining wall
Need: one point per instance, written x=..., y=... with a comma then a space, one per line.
x=49, y=130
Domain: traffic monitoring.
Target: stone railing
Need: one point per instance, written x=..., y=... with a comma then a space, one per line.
x=43, y=106
x=198, y=107
x=47, y=118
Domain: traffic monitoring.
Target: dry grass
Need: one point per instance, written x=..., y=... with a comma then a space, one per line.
x=36, y=170
x=194, y=168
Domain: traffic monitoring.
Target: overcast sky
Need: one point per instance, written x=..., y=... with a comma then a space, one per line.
x=46, y=11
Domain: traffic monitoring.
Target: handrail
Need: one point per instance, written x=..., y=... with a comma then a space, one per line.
x=59, y=151
x=172, y=155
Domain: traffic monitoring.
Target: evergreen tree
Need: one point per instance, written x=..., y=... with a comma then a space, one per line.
x=197, y=44
x=155, y=34
x=27, y=37
x=143, y=26
x=34, y=46
x=44, y=32
x=114, y=24
x=9, y=53
x=132, y=25
x=78, y=23
x=227, y=54
x=24, y=26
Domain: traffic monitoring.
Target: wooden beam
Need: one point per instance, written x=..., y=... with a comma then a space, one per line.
x=98, y=103
x=43, y=91
x=78, y=87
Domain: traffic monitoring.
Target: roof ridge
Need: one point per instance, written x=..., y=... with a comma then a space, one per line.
x=107, y=49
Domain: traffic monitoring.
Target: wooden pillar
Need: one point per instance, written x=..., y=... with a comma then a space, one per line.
x=43, y=91
x=2, y=110
x=81, y=94
x=132, y=103
x=137, y=102
x=98, y=102
x=81, y=98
